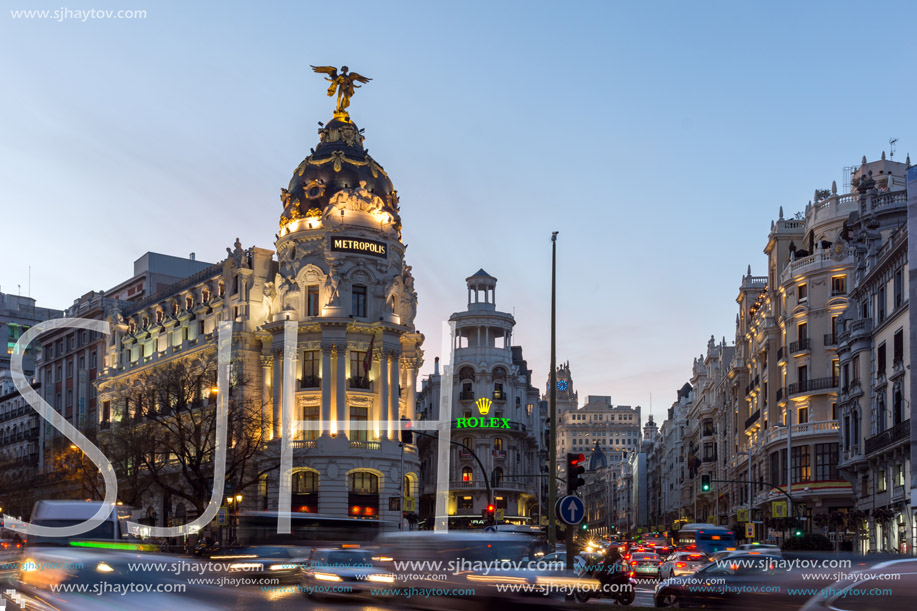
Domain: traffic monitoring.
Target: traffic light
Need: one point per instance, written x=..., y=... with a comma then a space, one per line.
x=705, y=482
x=585, y=526
x=575, y=469
x=407, y=435
x=489, y=513
x=798, y=532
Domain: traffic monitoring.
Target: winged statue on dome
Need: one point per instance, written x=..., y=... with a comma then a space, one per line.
x=343, y=82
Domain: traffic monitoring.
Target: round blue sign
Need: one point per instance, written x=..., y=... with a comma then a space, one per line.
x=562, y=385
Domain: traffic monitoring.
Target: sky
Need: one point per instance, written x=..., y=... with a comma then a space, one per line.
x=659, y=139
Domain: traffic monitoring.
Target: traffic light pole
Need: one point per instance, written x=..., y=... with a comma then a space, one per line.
x=552, y=415
x=490, y=498
x=768, y=484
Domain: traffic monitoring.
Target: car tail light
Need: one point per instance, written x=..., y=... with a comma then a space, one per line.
x=680, y=565
x=633, y=574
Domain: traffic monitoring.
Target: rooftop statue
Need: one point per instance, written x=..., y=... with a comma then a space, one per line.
x=343, y=83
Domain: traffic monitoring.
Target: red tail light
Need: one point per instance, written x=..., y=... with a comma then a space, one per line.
x=680, y=565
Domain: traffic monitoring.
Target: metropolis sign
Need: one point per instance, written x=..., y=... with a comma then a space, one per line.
x=359, y=246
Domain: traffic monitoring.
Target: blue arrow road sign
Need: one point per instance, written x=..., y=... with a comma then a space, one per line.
x=490, y=529
x=571, y=510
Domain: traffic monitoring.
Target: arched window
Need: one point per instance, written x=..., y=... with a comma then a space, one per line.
x=222, y=288
x=466, y=373
x=407, y=487
x=189, y=302
x=466, y=474
x=466, y=441
x=364, y=482
x=897, y=414
x=498, y=443
x=205, y=295
x=305, y=482
x=499, y=374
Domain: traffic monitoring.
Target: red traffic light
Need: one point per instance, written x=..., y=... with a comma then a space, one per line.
x=576, y=459
x=491, y=509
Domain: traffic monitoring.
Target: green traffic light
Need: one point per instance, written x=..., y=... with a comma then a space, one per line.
x=584, y=527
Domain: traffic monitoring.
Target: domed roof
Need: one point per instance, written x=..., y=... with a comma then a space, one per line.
x=339, y=162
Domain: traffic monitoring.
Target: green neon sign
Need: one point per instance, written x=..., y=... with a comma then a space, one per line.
x=482, y=423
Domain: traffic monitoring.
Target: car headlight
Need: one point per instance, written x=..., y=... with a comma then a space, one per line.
x=381, y=578
x=282, y=567
x=104, y=567
x=326, y=577
x=28, y=565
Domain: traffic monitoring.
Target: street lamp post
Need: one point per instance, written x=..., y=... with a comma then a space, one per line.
x=552, y=444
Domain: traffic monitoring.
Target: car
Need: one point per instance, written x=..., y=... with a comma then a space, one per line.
x=854, y=594
x=644, y=564
x=278, y=561
x=335, y=571
x=760, y=547
x=682, y=563
x=721, y=584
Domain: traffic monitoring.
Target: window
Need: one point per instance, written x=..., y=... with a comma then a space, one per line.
x=310, y=369
x=846, y=432
x=838, y=285
x=803, y=415
x=880, y=360
x=856, y=369
x=465, y=502
x=357, y=364
x=834, y=410
x=880, y=304
x=312, y=301
x=803, y=374
x=358, y=301
x=801, y=293
x=189, y=302
x=881, y=482
x=359, y=414
x=899, y=475
x=898, y=349
x=802, y=330
x=864, y=486
x=222, y=288
x=305, y=482
x=898, y=288
x=310, y=414
x=826, y=459
x=897, y=407
x=364, y=482
x=801, y=467
x=466, y=474
x=498, y=443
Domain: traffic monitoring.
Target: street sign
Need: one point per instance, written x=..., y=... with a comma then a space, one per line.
x=500, y=513
x=742, y=515
x=490, y=529
x=749, y=531
x=570, y=510
x=221, y=516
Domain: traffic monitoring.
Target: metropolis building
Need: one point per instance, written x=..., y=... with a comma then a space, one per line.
x=338, y=291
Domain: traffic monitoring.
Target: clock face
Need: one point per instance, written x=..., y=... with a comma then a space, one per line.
x=562, y=385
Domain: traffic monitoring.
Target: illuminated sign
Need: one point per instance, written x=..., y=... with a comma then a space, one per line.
x=482, y=423
x=483, y=405
x=359, y=246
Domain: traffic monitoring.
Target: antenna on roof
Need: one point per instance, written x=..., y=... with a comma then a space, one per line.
x=891, y=145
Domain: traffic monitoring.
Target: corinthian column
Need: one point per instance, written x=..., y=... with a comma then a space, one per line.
x=393, y=404
x=326, y=386
x=410, y=399
x=278, y=388
x=340, y=401
x=384, y=395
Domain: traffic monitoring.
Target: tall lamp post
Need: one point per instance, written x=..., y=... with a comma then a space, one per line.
x=552, y=444
x=748, y=504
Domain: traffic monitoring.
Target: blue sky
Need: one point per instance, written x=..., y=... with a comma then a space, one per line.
x=658, y=138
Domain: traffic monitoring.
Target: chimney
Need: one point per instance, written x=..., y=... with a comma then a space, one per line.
x=191, y=256
x=436, y=366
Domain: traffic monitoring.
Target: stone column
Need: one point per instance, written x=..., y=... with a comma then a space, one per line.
x=267, y=364
x=411, y=397
x=341, y=413
x=326, y=386
x=393, y=404
x=385, y=433
x=278, y=388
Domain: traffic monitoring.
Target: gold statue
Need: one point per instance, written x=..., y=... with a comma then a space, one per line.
x=343, y=83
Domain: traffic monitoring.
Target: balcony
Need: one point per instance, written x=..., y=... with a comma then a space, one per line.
x=800, y=345
x=466, y=395
x=499, y=395
x=467, y=484
x=888, y=437
x=499, y=454
x=360, y=383
x=830, y=339
x=776, y=433
x=753, y=418
x=365, y=445
x=465, y=454
x=302, y=444
x=813, y=385
x=312, y=382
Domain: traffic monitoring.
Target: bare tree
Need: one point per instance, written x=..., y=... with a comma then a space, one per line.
x=169, y=415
